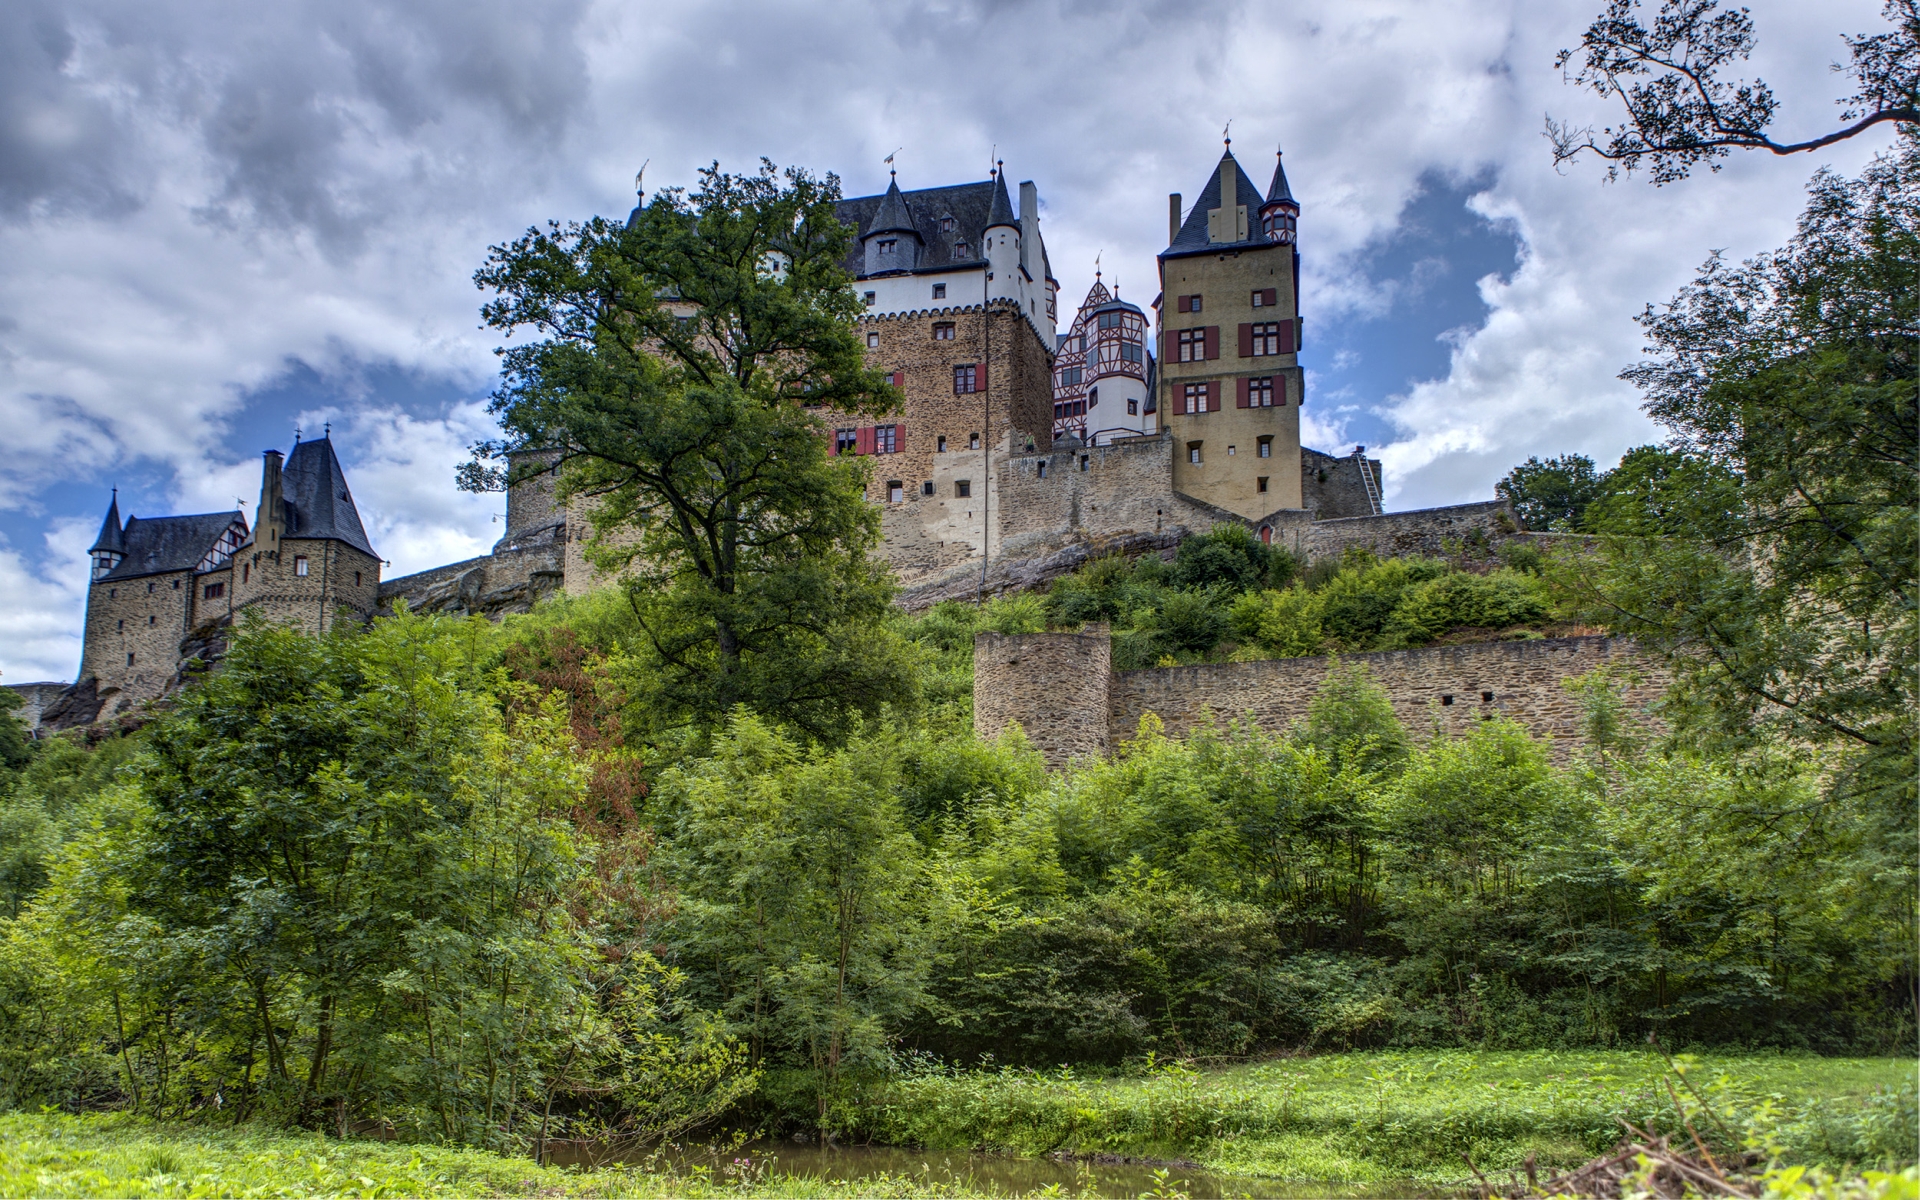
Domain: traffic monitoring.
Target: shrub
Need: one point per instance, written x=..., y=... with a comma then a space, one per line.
x=1459, y=599
x=1285, y=624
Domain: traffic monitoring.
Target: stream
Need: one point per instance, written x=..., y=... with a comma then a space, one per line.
x=1005, y=1173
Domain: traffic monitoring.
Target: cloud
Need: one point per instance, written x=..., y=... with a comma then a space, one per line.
x=200, y=198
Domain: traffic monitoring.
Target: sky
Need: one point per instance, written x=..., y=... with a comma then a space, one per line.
x=222, y=222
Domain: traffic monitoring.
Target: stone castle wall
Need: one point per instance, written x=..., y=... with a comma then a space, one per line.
x=1054, y=684
x=338, y=577
x=1331, y=485
x=1049, y=683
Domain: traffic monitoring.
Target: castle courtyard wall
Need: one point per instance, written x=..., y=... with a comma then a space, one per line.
x=1055, y=685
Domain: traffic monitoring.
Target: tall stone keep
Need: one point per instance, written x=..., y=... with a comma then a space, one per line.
x=1053, y=685
x=308, y=561
x=1229, y=380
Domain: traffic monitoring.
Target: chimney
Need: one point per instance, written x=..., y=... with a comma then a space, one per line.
x=269, y=520
x=1173, y=217
x=1029, y=224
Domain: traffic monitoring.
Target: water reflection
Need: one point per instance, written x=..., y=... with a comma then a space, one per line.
x=1003, y=1173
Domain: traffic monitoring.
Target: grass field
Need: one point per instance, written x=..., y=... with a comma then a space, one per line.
x=1367, y=1118
x=1355, y=1120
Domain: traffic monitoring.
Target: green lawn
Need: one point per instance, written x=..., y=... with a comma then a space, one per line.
x=1369, y=1118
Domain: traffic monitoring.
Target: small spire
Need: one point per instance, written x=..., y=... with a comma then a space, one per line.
x=327, y=429
x=1226, y=134
x=296, y=435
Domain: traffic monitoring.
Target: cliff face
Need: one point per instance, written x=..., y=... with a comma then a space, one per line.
x=512, y=579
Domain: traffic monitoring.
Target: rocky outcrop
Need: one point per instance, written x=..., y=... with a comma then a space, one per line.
x=515, y=577
x=1037, y=566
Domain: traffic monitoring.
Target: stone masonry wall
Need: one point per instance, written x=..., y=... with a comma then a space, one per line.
x=1331, y=485
x=1453, y=685
x=133, y=631
x=312, y=601
x=1054, y=684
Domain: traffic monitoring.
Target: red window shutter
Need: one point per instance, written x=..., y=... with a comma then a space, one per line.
x=900, y=379
x=1213, y=395
x=1213, y=341
x=1246, y=339
x=1180, y=304
x=833, y=443
x=1270, y=298
x=863, y=443
x=900, y=438
x=1286, y=337
x=979, y=377
x=1240, y=388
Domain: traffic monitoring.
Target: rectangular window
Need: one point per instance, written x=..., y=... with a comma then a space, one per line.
x=940, y=444
x=1131, y=352
x=1133, y=408
x=1110, y=320
x=895, y=493
x=1069, y=376
x=1043, y=468
x=973, y=441
x=943, y=331
x=1260, y=484
x=1260, y=392
x=883, y=439
x=873, y=341
x=887, y=245
x=1083, y=462
x=214, y=591
x=1193, y=398
x=129, y=658
x=122, y=626
x=965, y=377
x=299, y=564
x=149, y=589
x=1193, y=453
x=939, y=291
x=846, y=441
x=963, y=488
x=960, y=250
x=926, y=489
x=946, y=224
x=1266, y=447
x=1266, y=339
x=1193, y=345
x=869, y=299
x=1186, y=304
x=246, y=572
x=356, y=579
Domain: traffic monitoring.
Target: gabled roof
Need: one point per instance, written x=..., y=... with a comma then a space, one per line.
x=159, y=544
x=966, y=204
x=112, y=538
x=1228, y=180
x=318, y=504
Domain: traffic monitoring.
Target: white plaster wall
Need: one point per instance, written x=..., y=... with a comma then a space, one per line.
x=914, y=293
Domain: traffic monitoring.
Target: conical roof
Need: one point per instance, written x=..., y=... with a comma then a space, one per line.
x=1230, y=181
x=318, y=504
x=1002, y=211
x=1277, y=191
x=113, y=535
x=894, y=216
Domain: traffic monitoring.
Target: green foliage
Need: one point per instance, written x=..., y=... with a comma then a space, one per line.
x=679, y=361
x=15, y=750
x=1283, y=624
x=1551, y=494
x=1459, y=599
x=338, y=877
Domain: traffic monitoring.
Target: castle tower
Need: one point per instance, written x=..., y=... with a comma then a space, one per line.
x=308, y=559
x=1229, y=379
x=154, y=581
x=1101, y=371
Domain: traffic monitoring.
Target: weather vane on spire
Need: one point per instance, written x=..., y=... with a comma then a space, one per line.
x=891, y=172
x=1226, y=133
x=1096, y=265
x=638, y=176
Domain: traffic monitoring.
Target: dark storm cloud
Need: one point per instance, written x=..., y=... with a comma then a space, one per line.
x=61, y=144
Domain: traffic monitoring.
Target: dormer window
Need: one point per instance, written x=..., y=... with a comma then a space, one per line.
x=946, y=224
x=889, y=245
x=960, y=250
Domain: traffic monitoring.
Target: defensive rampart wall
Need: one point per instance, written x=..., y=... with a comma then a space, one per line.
x=1048, y=683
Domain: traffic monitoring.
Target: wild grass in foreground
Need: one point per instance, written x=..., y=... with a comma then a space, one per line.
x=109, y=1155
x=1378, y=1117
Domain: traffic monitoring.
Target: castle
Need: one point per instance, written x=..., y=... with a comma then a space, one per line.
x=1018, y=451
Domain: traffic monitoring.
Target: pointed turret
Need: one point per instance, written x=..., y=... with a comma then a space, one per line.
x=892, y=242
x=1279, y=215
x=1002, y=211
x=111, y=546
x=1223, y=212
x=317, y=501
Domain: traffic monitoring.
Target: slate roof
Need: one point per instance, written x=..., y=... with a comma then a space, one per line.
x=1277, y=191
x=159, y=544
x=112, y=538
x=318, y=504
x=969, y=204
x=1227, y=179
